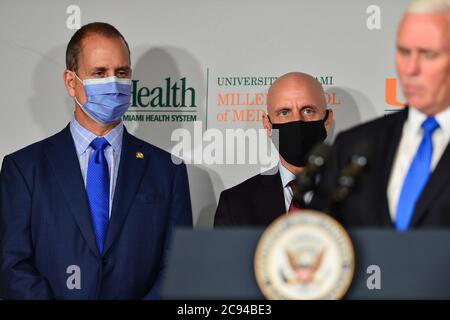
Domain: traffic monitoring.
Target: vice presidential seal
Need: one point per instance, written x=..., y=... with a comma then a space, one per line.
x=304, y=256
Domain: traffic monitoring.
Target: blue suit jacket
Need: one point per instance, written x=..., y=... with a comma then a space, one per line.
x=45, y=224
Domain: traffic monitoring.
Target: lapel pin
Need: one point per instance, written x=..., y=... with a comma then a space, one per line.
x=139, y=155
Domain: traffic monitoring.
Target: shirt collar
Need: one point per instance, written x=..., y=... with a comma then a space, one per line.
x=84, y=137
x=443, y=118
x=416, y=118
x=286, y=175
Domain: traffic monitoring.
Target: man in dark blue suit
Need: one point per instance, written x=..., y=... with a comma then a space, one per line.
x=89, y=212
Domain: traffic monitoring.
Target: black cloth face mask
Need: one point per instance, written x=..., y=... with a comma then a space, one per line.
x=297, y=138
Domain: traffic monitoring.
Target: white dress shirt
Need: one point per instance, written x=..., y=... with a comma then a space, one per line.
x=407, y=149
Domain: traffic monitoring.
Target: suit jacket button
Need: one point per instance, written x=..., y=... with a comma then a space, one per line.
x=104, y=261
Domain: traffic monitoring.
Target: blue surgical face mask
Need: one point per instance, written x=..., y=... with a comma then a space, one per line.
x=107, y=98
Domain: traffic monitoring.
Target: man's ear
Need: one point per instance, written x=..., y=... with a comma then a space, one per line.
x=267, y=125
x=69, y=82
x=329, y=120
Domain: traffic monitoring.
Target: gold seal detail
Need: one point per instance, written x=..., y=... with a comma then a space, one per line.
x=304, y=256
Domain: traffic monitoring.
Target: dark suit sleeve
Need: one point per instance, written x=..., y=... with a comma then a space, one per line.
x=19, y=278
x=223, y=217
x=180, y=215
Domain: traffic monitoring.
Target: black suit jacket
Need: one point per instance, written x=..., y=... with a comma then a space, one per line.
x=367, y=205
x=254, y=202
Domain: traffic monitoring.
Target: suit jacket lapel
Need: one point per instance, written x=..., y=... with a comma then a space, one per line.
x=269, y=203
x=61, y=154
x=387, y=149
x=438, y=180
x=131, y=170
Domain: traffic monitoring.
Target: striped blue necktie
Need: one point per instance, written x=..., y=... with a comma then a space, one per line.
x=417, y=176
x=97, y=190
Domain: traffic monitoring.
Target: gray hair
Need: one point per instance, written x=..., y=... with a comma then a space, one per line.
x=428, y=6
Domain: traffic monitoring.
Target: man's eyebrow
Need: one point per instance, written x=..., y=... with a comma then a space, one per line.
x=421, y=50
x=103, y=69
x=125, y=68
x=401, y=47
x=428, y=50
x=309, y=106
x=95, y=69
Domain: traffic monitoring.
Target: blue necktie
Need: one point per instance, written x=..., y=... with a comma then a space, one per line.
x=97, y=190
x=417, y=176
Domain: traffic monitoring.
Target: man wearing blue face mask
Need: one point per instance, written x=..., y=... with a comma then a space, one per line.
x=107, y=98
x=296, y=107
x=89, y=212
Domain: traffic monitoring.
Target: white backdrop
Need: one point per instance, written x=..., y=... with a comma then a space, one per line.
x=348, y=45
